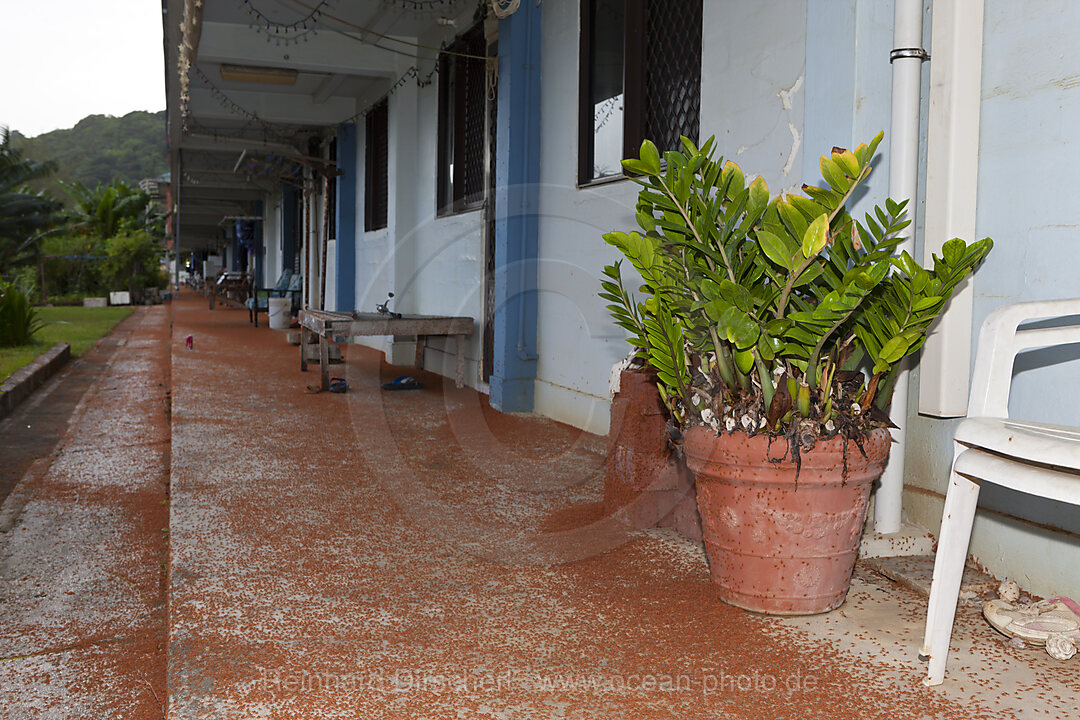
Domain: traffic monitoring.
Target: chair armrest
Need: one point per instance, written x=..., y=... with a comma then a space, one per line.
x=1000, y=341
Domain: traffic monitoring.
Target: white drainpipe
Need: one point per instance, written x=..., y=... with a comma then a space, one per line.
x=906, y=58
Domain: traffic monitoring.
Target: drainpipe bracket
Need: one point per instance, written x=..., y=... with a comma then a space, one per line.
x=904, y=53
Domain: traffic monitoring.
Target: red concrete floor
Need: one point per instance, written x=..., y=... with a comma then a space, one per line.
x=83, y=534
x=417, y=555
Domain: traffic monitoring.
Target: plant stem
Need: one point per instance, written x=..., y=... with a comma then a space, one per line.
x=765, y=378
x=690, y=224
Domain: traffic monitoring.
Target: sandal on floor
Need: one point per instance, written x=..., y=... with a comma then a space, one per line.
x=1053, y=623
x=405, y=382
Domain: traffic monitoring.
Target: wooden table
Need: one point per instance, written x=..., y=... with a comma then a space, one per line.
x=328, y=325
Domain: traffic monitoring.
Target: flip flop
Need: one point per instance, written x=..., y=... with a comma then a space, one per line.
x=1053, y=623
x=405, y=382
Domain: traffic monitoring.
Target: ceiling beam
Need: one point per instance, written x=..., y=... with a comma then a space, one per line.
x=295, y=109
x=327, y=87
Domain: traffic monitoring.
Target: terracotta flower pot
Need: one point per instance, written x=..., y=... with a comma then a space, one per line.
x=776, y=546
x=645, y=482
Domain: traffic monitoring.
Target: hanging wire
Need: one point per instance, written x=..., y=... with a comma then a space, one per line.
x=384, y=36
x=277, y=26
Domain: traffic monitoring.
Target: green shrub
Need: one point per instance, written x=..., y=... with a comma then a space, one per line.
x=133, y=262
x=18, y=317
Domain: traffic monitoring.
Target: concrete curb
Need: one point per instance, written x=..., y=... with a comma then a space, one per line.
x=25, y=380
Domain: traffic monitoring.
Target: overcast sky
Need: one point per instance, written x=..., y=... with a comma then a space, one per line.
x=61, y=60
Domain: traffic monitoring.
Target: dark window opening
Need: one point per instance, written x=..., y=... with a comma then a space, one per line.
x=376, y=167
x=331, y=190
x=462, y=109
x=640, y=77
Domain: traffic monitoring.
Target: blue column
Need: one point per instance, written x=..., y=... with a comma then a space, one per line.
x=517, y=172
x=345, y=267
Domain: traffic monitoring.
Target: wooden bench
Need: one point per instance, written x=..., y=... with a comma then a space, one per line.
x=326, y=325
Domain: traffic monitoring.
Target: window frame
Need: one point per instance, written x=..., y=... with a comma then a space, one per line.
x=451, y=188
x=376, y=189
x=634, y=100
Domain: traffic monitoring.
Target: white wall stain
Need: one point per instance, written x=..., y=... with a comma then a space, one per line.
x=785, y=95
x=796, y=141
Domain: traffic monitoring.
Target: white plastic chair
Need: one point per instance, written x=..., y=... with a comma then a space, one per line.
x=1034, y=458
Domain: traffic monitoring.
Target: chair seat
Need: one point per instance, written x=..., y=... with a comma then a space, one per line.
x=1031, y=441
x=1053, y=483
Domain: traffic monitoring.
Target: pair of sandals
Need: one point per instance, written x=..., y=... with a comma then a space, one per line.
x=1053, y=624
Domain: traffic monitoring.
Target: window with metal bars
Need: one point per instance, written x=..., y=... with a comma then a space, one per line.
x=376, y=180
x=462, y=108
x=331, y=189
x=640, y=77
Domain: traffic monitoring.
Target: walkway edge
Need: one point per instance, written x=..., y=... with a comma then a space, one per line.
x=28, y=378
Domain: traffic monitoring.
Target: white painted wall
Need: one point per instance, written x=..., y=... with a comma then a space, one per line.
x=753, y=75
x=272, y=255
x=433, y=265
x=751, y=53
x=1028, y=169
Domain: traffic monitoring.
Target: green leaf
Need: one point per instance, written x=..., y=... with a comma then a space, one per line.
x=650, y=156
x=834, y=175
x=739, y=328
x=637, y=167
x=953, y=251
x=759, y=198
x=744, y=360
x=894, y=349
x=848, y=162
x=816, y=236
x=732, y=178
x=926, y=303
x=775, y=249
x=737, y=295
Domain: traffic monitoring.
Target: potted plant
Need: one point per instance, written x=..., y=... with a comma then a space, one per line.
x=776, y=326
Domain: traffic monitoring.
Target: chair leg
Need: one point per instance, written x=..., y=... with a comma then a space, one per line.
x=324, y=363
x=304, y=335
x=956, y=520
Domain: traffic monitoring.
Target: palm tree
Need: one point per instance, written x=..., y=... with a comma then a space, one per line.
x=24, y=213
x=108, y=209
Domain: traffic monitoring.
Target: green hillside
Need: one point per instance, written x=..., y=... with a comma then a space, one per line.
x=101, y=147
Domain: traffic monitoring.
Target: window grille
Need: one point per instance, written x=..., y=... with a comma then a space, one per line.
x=462, y=109
x=376, y=179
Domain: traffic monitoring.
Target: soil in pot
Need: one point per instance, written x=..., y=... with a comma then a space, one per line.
x=779, y=544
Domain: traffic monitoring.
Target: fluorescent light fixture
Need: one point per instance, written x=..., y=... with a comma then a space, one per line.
x=253, y=74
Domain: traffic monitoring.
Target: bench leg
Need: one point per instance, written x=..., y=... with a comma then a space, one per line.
x=421, y=342
x=324, y=362
x=956, y=521
x=459, y=369
x=305, y=334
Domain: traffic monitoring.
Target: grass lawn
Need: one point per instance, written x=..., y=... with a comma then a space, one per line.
x=79, y=326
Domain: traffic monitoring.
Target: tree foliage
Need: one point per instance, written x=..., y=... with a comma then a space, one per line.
x=100, y=148
x=24, y=213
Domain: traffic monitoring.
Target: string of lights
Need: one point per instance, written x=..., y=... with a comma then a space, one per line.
x=384, y=36
x=278, y=27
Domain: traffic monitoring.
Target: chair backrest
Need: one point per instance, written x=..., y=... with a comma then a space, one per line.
x=1001, y=340
x=283, y=281
x=296, y=282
